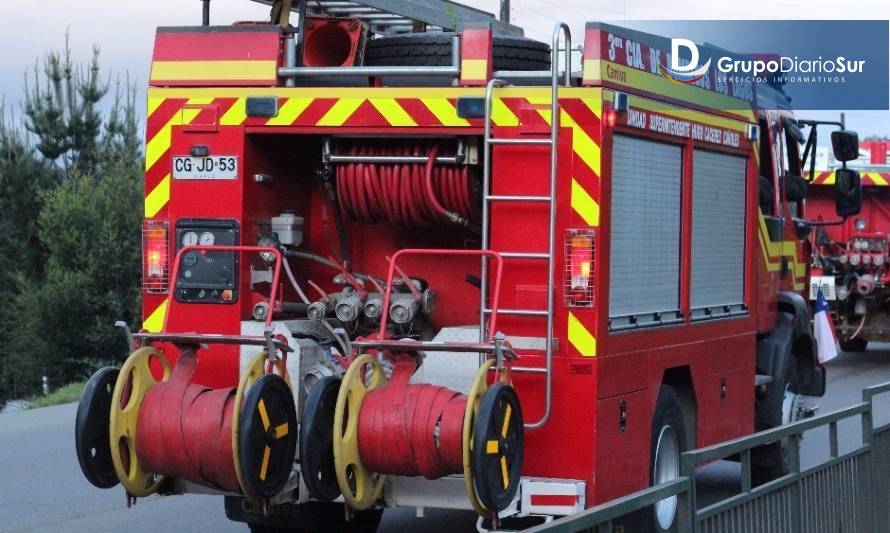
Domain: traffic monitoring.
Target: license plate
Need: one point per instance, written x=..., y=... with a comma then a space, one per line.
x=826, y=283
x=215, y=167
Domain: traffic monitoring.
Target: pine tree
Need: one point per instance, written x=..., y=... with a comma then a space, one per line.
x=71, y=193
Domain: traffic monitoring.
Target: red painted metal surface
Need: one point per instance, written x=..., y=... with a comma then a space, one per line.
x=185, y=430
x=497, y=275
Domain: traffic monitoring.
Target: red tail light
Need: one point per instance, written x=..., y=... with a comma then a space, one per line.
x=155, y=257
x=579, y=280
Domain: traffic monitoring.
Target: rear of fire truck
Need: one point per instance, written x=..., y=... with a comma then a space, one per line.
x=851, y=259
x=388, y=267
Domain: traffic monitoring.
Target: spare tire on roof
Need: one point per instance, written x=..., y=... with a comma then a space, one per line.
x=434, y=50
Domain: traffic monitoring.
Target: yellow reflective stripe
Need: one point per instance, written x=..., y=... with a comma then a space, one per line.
x=158, y=197
x=581, y=338
x=505, y=476
x=658, y=84
x=647, y=104
x=774, y=251
x=394, y=113
x=290, y=111
x=582, y=143
x=155, y=321
x=340, y=112
x=474, y=69
x=590, y=70
x=264, y=468
x=506, y=425
x=366, y=92
x=236, y=115
x=491, y=447
x=264, y=416
x=877, y=178
x=281, y=430
x=153, y=105
x=159, y=144
x=214, y=70
x=501, y=114
x=444, y=112
x=595, y=104
x=585, y=205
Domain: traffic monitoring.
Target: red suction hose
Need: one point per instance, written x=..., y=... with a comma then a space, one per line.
x=403, y=194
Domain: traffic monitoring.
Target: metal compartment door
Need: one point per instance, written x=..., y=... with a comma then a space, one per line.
x=644, y=286
x=718, y=234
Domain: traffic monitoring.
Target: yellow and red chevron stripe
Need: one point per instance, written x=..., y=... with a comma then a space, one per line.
x=774, y=251
x=401, y=108
x=869, y=178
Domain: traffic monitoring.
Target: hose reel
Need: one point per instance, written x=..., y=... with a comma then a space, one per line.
x=235, y=439
x=379, y=427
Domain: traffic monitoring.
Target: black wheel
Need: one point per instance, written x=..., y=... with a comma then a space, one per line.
x=668, y=442
x=318, y=517
x=434, y=49
x=267, y=436
x=857, y=344
x=782, y=407
x=497, y=447
x=91, y=429
x=317, y=440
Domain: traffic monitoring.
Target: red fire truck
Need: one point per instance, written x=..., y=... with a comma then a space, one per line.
x=390, y=267
x=851, y=259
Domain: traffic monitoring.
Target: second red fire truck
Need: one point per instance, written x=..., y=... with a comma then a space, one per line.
x=429, y=269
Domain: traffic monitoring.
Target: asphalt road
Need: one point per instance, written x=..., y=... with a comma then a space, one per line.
x=42, y=489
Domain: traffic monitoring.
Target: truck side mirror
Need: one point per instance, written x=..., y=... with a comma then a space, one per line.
x=848, y=190
x=845, y=144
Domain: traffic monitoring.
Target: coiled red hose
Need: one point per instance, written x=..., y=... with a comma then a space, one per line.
x=409, y=195
x=412, y=429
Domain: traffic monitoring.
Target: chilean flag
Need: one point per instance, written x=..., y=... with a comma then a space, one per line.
x=823, y=329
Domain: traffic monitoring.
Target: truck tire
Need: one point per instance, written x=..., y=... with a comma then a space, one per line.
x=774, y=460
x=434, y=50
x=668, y=442
x=857, y=344
x=330, y=518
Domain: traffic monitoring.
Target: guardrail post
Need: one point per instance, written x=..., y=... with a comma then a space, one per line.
x=687, y=501
x=869, y=486
x=797, y=514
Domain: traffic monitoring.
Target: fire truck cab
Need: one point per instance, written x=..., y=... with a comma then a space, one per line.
x=850, y=259
x=435, y=269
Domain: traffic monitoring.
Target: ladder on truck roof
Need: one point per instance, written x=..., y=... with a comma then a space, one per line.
x=550, y=199
x=387, y=17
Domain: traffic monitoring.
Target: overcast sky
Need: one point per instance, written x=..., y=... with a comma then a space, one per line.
x=124, y=31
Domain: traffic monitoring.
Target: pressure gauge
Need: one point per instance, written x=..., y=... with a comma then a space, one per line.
x=190, y=239
x=207, y=239
x=866, y=259
x=854, y=259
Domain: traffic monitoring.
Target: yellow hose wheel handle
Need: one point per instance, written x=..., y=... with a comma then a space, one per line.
x=254, y=371
x=477, y=391
x=135, y=379
x=360, y=488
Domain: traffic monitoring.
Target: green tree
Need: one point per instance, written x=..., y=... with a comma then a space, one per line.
x=71, y=186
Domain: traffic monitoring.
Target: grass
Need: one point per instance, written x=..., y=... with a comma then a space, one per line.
x=67, y=394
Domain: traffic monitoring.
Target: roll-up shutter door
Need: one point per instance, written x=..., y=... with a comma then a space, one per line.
x=718, y=234
x=644, y=285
